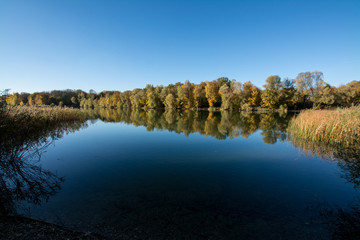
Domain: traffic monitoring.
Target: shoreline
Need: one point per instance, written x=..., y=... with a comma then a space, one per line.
x=20, y=227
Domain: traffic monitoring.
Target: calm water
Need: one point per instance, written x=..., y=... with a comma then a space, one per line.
x=192, y=175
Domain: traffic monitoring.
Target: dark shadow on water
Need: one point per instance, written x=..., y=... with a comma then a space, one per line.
x=342, y=223
x=21, y=176
x=347, y=159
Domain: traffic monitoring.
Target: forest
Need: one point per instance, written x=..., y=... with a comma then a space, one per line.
x=307, y=90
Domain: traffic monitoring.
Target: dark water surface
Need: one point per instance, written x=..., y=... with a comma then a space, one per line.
x=193, y=175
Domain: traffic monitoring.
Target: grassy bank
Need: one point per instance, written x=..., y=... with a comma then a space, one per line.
x=339, y=126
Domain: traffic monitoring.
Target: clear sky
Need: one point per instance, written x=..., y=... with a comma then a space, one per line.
x=121, y=45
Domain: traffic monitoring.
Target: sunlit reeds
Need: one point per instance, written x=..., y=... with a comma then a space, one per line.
x=339, y=126
x=47, y=114
x=16, y=120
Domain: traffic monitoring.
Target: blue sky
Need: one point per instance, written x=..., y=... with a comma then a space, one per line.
x=121, y=45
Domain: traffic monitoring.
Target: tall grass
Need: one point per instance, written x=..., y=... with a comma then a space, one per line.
x=338, y=127
x=47, y=114
x=19, y=122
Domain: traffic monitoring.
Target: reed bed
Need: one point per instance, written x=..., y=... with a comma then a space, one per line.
x=52, y=114
x=338, y=127
x=23, y=119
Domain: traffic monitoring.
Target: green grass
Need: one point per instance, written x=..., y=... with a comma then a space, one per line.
x=338, y=127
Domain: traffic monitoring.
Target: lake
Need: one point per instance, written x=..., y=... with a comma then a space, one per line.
x=191, y=175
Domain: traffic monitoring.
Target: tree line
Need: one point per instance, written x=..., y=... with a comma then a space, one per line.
x=307, y=90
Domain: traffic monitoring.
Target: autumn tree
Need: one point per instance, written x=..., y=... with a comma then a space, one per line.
x=287, y=96
x=13, y=99
x=170, y=102
x=271, y=95
x=223, y=81
x=212, y=92
x=138, y=98
x=187, y=91
x=125, y=101
x=250, y=96
x=226, y=95
x=74, y=101
x=348, y=94
x=325, y=96
x=237, y=97
x=308, y=84
x=179, y=97
x=199, y=95
x=254, y=99
x=115, y=100
x=163, y=94
x=41, y=99
x=152, y=101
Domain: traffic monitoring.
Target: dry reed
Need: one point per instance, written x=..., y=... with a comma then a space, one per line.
x=339, y=126
x=22, y=120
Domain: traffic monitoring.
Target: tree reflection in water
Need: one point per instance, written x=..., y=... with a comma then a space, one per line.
x=21, y=176
x=342, y=223
x=221, y=125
